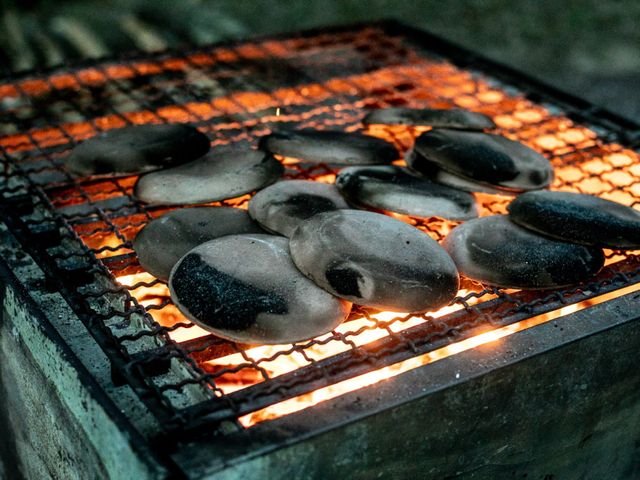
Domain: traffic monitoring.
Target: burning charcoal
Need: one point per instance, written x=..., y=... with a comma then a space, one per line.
x=330, y=147
x=578, y=218
x=221, y=174
x=484, y=158
x=436, y=174
x=136, y=149
x=496, y=251
x=394, y=189
x=245, y=288
x=452, y=118
x=282, y=206
x=163, y=241
x=374, y=260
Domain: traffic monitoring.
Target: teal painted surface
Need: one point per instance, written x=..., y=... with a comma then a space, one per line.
x=52, y=423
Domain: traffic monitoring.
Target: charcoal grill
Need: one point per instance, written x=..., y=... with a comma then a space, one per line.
x=104, y=377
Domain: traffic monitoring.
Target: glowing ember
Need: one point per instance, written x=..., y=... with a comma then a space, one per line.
x=248, y=366
x=371, y=329
x=280, y=359
x=302, y=402
x=581, y=160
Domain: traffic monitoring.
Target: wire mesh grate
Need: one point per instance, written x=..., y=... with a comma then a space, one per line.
x=235, y=94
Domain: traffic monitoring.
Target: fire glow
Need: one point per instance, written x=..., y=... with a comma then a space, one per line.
x=302, y=402
x=237, y=371
x=281, y=359
x=582, y=163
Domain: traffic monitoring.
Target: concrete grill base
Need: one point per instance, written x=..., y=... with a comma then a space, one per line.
x=56, y=422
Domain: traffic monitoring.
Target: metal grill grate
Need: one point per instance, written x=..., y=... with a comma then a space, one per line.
x=81, y=231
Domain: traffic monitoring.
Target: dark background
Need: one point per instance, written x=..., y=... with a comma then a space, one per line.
x=588, y=47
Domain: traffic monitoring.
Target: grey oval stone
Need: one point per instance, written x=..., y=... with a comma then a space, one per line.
x=164, y=240
x=578, y=218
x=394, y=189
x=484, y=158
x=437, y=118
x=137, y=149
x=245, y=288
x=219, y=175
x=436, y=174
x=495, y=251
x=374, y=260
x=330, y=146
x=281, y=207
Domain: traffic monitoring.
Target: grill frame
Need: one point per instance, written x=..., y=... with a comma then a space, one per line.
x=418, y=411
x=201, y=418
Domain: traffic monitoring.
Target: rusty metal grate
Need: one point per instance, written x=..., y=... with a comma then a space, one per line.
x=81, y=231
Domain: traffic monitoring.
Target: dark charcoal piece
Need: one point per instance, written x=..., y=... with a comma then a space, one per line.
x=245, y=288
x=436, y=174
x=137, y=149
x=374, y=260
x=280, y=207
x=453, y=118
x=484, y=158
x=330, y=147
x=496, y=251
x=394, y=189
x=578, y=218
x=164, y=240
x=221, y=174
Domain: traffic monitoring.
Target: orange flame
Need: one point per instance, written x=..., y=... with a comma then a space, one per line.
x=302, y=402
x=581, y=162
